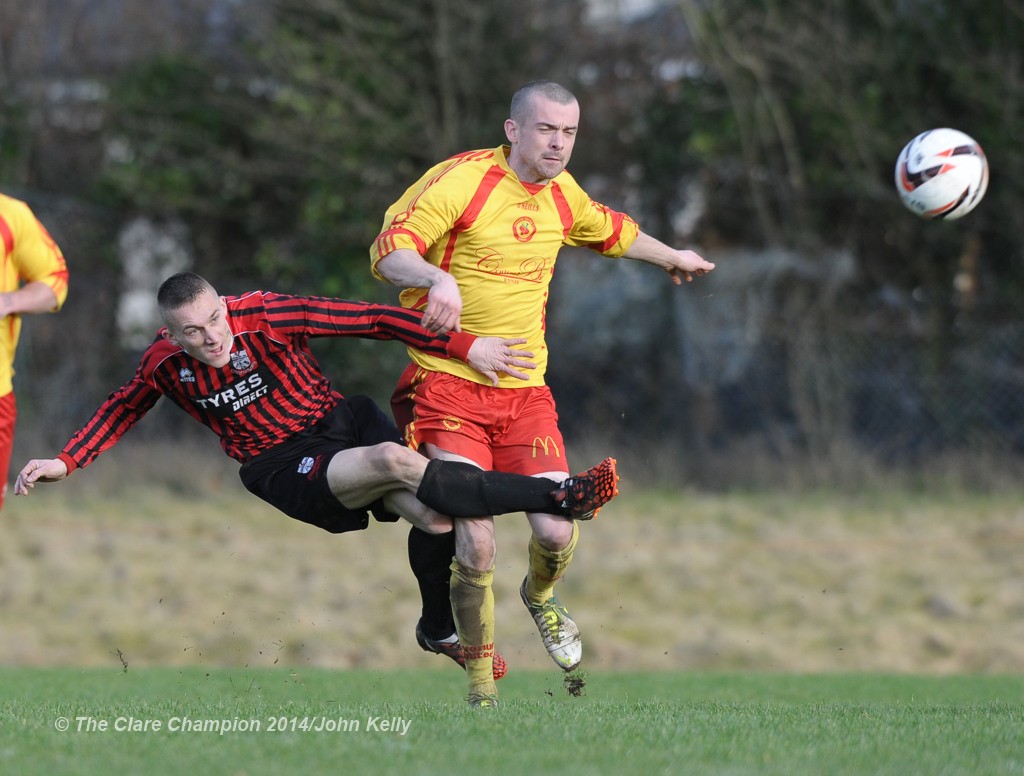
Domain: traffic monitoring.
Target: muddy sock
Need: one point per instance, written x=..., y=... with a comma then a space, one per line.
x=473, y=603
x=547, y=567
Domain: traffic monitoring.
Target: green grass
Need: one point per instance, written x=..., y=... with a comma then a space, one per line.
x=875, y=632
x=636, y=723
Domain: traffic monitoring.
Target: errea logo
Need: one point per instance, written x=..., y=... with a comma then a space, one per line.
x=185, y=375
x=305, y=465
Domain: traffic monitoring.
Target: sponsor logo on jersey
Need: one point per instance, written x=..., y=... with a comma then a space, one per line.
x=235, y=396
x=529, y=206
x=534, y=269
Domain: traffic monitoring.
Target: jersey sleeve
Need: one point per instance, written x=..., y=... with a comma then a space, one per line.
x=426, y=212
x=38, y=257
x=123, y=409
x=310, y=317
x=595, y=225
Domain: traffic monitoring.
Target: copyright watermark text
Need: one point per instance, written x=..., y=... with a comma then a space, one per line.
x=86, y=723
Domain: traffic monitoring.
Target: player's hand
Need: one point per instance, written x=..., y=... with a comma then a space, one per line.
x=688, y=265
x=444, y=306
x=39, y=470
x=490, y=355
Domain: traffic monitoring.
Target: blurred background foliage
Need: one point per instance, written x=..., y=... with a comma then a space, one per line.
x=265, y=139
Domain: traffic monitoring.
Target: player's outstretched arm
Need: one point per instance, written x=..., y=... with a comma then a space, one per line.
x=679, y=264
x=490, y=355
x=39, y=470
x=404, y=267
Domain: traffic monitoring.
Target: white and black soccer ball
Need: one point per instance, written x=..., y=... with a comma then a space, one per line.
x=941, y=174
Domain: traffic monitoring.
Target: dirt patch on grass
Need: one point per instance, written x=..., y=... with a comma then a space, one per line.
x=99, y=572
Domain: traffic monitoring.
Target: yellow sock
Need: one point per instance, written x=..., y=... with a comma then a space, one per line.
x=473, y=607
x=547, y=567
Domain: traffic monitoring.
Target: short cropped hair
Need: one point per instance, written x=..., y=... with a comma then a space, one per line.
x=518, y=111
x=181, y=289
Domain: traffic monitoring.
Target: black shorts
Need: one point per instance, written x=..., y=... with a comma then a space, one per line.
x=293, y=475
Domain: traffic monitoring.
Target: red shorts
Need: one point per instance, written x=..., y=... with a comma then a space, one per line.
x=505, y=429
x=8, y=414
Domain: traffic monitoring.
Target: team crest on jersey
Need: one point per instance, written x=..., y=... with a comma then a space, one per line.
x=241, y=364
x=186, y=375
x=524, y=229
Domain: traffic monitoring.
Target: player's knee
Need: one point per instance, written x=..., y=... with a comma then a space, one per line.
x=479, y=558
x=554, y=534
x=475, y=545
x=434, y=523
x=395, y=460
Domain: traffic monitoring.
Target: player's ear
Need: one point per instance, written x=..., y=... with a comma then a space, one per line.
x=166, y=334
x=511, y=131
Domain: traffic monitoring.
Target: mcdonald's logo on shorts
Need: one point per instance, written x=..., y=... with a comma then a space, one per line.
x=548, y=445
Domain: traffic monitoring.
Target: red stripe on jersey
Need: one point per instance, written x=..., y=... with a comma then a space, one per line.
x=488, y=183
x=456, y=161
x=386, y=241
x=565, y=214
x=618, y=219
x=472, y=156
x=7, y=236
x=420, y=302
x=60, y=276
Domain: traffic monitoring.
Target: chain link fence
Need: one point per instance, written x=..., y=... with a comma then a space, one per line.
x=773, y=357
x=768, y=365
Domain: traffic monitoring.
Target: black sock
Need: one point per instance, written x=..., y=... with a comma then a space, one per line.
x=460, y=489
x=430, y=557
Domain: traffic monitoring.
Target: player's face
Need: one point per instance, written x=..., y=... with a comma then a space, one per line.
x=542, y=142
x=201, y=328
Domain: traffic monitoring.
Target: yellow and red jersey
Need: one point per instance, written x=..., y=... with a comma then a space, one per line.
x=28, y=254
x=499, y=238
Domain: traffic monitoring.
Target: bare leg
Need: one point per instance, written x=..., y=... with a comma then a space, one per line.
x=361, y=475
x=552, y=531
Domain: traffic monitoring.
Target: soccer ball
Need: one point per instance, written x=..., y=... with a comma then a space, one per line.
x=941, y=174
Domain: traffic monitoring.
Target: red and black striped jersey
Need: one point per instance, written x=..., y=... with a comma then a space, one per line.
x=273, y=386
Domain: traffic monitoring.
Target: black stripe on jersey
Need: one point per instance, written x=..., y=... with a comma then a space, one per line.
x=105, y=428
x=323, y=316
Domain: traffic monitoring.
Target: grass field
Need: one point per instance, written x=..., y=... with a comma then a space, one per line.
x=193, y=571
x=869, y=631
x=313, y=721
